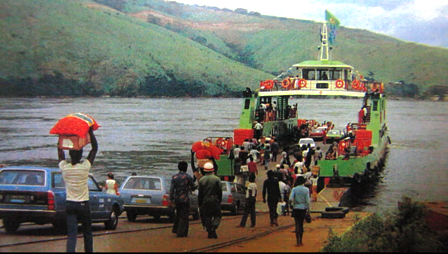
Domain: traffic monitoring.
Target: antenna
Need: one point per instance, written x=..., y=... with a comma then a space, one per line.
x=324, y=54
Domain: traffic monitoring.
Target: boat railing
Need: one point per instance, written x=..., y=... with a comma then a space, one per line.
x=294, y=84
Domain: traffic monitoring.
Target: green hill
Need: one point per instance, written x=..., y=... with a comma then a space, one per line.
x=163, y=48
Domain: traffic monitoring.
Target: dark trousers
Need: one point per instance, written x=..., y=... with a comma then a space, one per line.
x=212, y=215
x=181, y=222
x=79, y=212
x=299, y=217
x=249, y=208
x=273, y=211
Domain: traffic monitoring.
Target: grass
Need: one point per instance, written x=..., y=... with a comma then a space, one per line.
x=404, y=230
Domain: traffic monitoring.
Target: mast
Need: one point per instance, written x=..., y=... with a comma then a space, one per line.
x=324, y=53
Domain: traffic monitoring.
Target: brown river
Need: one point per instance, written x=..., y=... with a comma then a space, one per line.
x=150, y=136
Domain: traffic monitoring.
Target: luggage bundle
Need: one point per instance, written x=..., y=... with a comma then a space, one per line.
x=73, y=131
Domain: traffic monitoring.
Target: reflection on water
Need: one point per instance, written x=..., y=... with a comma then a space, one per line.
x=150, y=136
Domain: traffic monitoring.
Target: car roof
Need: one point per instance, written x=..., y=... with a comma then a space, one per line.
x=30, y=168
x=306, y=139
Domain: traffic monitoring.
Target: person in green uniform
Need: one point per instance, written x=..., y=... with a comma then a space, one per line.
x=209, y=197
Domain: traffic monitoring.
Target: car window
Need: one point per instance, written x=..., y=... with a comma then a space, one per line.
x=23, y=177
x=144, y=183
x=232, y=187
x=240, y=189
x=224, y=186
x=92, y=185
x=57, y=181
x=168, y=183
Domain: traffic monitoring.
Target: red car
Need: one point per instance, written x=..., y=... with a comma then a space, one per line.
x=318, y=134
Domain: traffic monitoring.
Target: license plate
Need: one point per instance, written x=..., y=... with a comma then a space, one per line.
x=17, y=198
x=141, y=200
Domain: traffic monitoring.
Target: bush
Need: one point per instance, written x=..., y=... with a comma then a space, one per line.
x=404, y=230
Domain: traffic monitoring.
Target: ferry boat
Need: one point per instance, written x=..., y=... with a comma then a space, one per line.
x=359, y=157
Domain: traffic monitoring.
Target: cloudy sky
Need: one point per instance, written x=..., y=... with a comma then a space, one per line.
x=422, y=21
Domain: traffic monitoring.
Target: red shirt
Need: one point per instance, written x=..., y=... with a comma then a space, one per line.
x=252, y=166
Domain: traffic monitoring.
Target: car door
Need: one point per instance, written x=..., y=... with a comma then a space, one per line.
x=241, y=194
x=96, y=200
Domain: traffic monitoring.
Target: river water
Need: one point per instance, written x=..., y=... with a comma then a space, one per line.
x=150, y=136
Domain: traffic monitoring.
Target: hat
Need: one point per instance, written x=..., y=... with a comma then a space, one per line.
x=208, y=167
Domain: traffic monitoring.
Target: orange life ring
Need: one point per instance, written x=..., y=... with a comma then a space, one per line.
x=269, y=84
x=286, y=83
x=302, y=82
x=221, y=143
x=339, y=83
x=355, y=84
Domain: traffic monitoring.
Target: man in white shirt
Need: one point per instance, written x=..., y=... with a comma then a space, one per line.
x=76, y=175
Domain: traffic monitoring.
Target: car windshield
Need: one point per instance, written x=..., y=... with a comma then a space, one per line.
x=334, y=132
x=22, y=177
x=318, y=130
x=147, y=183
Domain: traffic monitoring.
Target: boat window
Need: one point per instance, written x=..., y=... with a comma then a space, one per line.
x=335, y=74
x=246, y=104
x=375, y=106
x=309, y=74
x=322, y=74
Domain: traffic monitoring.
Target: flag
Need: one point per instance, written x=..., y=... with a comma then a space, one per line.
x=331, y=19
x=334, y=23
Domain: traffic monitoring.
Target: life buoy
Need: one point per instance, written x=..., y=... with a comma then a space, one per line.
x=269, y=84
x=286, y=83
x=302, y=83
x=355, y=84
x=339, y=83
x=221, y=143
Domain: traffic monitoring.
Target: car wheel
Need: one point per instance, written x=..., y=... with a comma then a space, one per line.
x=131, y=216
x=156, y=217
x=10, y=225
x=112, y=223
x=196, y=215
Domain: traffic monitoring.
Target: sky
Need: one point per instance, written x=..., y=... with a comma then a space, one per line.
x=421, y=21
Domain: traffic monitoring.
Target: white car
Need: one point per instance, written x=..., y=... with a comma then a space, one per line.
x=306, y=141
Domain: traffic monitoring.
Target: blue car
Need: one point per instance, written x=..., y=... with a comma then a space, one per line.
x=37, y=194
x=150, y=195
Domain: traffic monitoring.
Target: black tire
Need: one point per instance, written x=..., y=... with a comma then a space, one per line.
x=131, y=216
x=156, y=217
x=10, y=225
x=112, y=223
x=60, y=225
x=170, y=217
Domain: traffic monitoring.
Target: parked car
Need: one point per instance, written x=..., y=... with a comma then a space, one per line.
x=37, y=194
x=306, y=141
x=318, y=133
x=233, y=197
x=151, y=195
x=335, y=135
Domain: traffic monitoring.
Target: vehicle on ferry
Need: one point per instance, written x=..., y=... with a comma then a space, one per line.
x=358, y=157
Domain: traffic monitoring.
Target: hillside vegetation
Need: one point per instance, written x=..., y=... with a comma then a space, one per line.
x=163, y=48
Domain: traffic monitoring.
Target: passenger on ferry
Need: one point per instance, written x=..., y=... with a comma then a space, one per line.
x=296, y=83
x=309, y=157
x=246, y=145
x=255, y=153
x=285, y=157
x=258, y=127
x=274, y=149
x=267, y=157
x=317, y=155
x=364, y=108
x=238, y=173
x=361, y=115
x=260, y=114
x=324, y=76
x=243, y=155
x=236, y=151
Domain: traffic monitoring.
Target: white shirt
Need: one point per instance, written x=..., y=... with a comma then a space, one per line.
x=299, y=166
x=110, y=183
x=253, y=187
x=76, y=178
